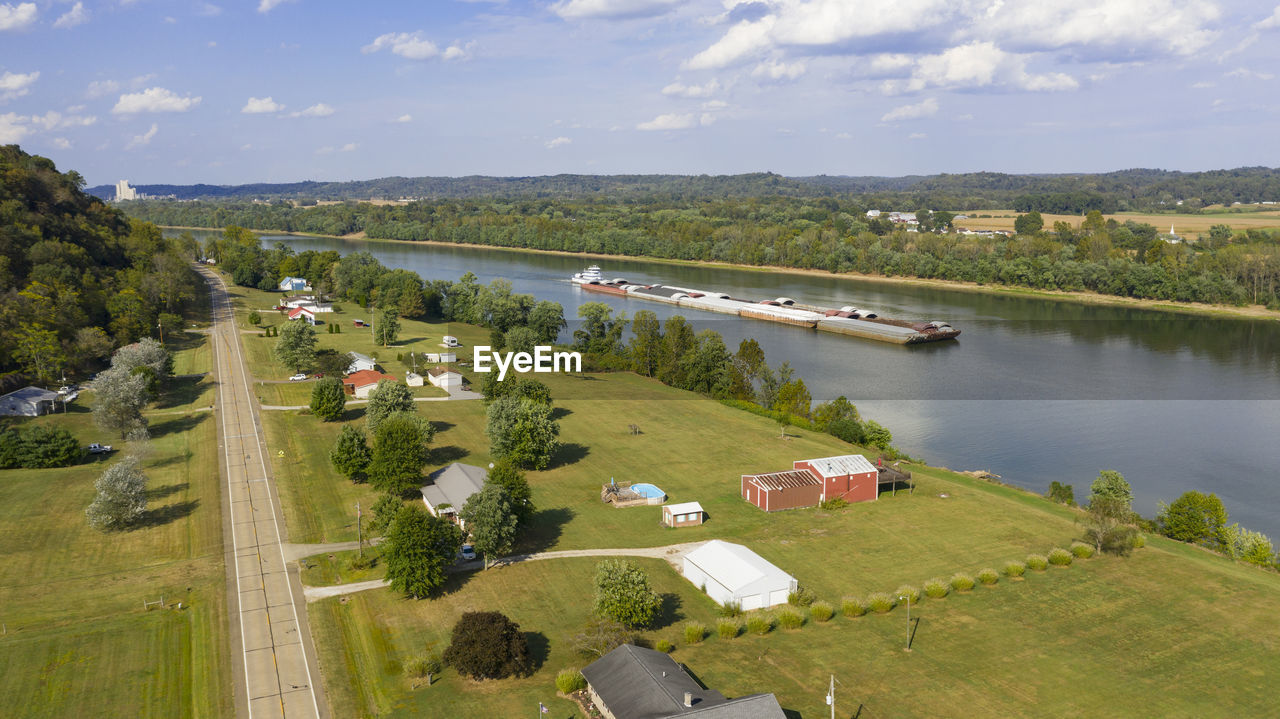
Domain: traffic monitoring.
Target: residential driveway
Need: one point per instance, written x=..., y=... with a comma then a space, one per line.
x=673, y=553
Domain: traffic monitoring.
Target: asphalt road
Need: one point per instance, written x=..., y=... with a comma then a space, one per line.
x=274, y=661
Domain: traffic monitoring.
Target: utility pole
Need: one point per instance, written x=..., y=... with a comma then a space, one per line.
x=160, y=326
x=831, y=696
x=907, y=646
x=359, y=533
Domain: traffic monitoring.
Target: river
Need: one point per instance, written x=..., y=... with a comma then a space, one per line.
x=1034, y=390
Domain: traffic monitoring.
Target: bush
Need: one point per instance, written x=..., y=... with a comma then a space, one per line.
x=1081, y=550
x=936, y=589
x=822, y=611
x=424, y=667
x=33, y=446
x=1139, y=541
x=988, y=576
x=488, y=645
x=1015, y=569
x=728, y=628
x=881, y=603
x=731, y=609
x=1037, y=562
x=1060, y=557
x=790, y=619
x=569, y=681
x=834, y=504
x=663, y=646
x=760, y=624
x=1062, y=493
x=802, y=597
x=694, y=632
x=911, y=593
x=961, y=582
x=365, y=561
x=852, y=607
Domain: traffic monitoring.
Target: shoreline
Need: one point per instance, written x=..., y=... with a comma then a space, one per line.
x=1253, y=312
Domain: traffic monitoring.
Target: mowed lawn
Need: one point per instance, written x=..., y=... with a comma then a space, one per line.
x=1183, y=224
x=77, y=640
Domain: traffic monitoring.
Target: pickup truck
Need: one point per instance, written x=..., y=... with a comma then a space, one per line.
x=96, y=448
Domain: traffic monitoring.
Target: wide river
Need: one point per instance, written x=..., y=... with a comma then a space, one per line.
x=1034, y=390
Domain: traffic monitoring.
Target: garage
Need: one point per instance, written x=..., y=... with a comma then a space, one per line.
x=732, y=573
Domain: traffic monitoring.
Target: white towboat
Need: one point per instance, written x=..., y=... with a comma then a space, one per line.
x=587, y=276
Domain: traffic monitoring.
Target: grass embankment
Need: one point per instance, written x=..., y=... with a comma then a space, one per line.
x=77, y=640
x=1100, y=634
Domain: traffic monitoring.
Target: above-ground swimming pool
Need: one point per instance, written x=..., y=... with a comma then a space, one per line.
x=646, y=490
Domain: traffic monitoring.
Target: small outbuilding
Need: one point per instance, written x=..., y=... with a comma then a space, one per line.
x=444, y=377
x=293, y=284
x=448, y=357
x=686, y=514
x=413, y=379
x=810, y=482
x=450, y=341
x=360, y=362
x=303, y=313
x=28, y=402
x=732, y=573
x=448, y=489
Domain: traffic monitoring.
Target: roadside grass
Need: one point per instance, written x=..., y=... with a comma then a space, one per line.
x=293, y=394
x=77, y=640
x=1004, y=219
x=190, y=351
x=322, y=570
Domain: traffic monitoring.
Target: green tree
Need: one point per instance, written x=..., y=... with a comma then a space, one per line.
x=386, y=399
x=122, y=497
x=1107, y=524
x=623, y=593
x=1110, y=484
x=387, y=328
x=706, y=368
x=837, y=409
x=794, y=399
x=254, y=318
x=1249, y=546
x=350, y=454
x=418, y=549
x=1028, y=224
x=1219, y=235
x=488, y=645
x=646, y=343
x=328, y=400
x=37, y=350
x=399, y=454
x=847, y=429
x=521, y=339
x=530, y=389
x=877, y=435
x=508, y=476
x=331, y=362
x=1195, y=517
x=1062, y=493
x=600, y=332
x=547, y=320
x=33, y=446
x=678, y=341
x=384, y=512
x=522, y=431
x=491, y=519
x=296, y=347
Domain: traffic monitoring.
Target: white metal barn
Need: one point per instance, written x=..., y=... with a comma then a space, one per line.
x=732, y=573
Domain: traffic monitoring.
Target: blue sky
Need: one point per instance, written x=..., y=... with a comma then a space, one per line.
x=282, y=90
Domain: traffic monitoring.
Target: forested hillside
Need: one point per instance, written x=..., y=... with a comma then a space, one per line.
x=77, y=277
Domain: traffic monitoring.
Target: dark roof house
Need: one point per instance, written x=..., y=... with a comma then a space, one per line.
x=451, y=487
x=631, y=682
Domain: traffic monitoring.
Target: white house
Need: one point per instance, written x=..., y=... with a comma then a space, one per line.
x=293, y=284
x=732, y=573
x=449, y=488
x=28, y=402
x=444, y=377
x=303, y=313
x=360, y=362
x=363, y=382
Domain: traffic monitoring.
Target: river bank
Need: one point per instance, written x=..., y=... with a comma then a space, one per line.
x=1256, y=312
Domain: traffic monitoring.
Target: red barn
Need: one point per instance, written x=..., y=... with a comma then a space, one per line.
x=811, y=482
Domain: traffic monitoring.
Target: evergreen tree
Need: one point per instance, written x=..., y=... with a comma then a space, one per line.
x=327, y=399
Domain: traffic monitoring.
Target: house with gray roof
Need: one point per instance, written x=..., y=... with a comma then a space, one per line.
x=631, y=682
x=448, y=489
x=28, y=402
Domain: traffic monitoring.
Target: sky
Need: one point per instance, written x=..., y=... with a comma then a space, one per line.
x=175, y=91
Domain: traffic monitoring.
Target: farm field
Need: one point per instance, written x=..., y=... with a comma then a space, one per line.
x=77, y=641
x=1183, y=224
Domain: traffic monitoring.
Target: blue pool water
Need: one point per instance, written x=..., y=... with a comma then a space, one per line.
x=645, y=489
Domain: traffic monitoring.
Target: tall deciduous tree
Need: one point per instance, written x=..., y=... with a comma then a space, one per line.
x=488, y=645
x=547, y=319
x=522, y=431
x=296, y=347
x=521, y=339
x=118, y=398
x=1028, y=224
x=386, y=399
x=350, y=454
x=1110, y=484
x=491, y=520
x=37, y=349
x=399, y=453
x=387, y=328
x=418, y=549
x=508, y=476
x=328, y=400
x=122, y=496
x=1195, y=517
x=623, y=593
x=646, y=343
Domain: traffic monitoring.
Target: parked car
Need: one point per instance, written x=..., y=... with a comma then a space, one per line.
x=318, y=375
x=298, y=377
x=468, y=553
x=96, y=448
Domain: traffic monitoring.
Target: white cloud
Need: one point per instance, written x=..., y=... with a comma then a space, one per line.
x=77, y=15
x=1247, y=74
x=744, y=39
x=413, y=46
x=246, y=147
x=1270, y=22
x=53, y=120
x=405, y=118
x=141, y=80
x=843, y=136
x=916, y=136
x=714, y=105
x=326, y=150
x=208, y=10
x=14, y=84
x=266, y=6
x=258, y=105
x=612, y=9
x=669, y=121
x=62, y=143
x=98, y=88
x=17, y=17
x=975, y=65
x=682, y=90
x=1128, y=26
x=557, y=142
x=924, y=108
x=350, y=147
x=775, y=70
x=1203, y=85
x=143, y=139
x=13, y=127
x=317, y=110
x=156, y=99
x=707, y=118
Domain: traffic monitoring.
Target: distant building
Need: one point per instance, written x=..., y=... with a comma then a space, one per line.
x=450, y=488
x=124, y=192
x=293, y=284
x=304, y=313
x=363, y=382
x=811, y=482
x=27, y=402
x=687, y=514
x=444, y=378
x=360, y=362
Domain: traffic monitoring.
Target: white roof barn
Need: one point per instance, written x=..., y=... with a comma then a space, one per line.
x=27, y=402
x=732, y=573
x=841, y=466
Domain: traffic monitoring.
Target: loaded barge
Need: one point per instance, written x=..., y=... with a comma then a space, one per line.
x=847, y=320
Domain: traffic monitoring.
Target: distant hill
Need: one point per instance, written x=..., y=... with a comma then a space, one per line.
x=1132, y=188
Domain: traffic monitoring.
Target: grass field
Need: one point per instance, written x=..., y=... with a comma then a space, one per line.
x=1183, y=224
x=77, y=641
x=293, y=394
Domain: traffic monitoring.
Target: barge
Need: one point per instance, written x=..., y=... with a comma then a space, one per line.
x=847, y=320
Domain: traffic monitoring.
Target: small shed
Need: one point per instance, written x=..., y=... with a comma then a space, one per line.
x=431, y=357
x=303, y=313
x=732, y=573
x=28, y=402
x=686, y=514
x=413, y=379
x=360, y=362
x=448, y=357
x=293, y=284
x=444, y=377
